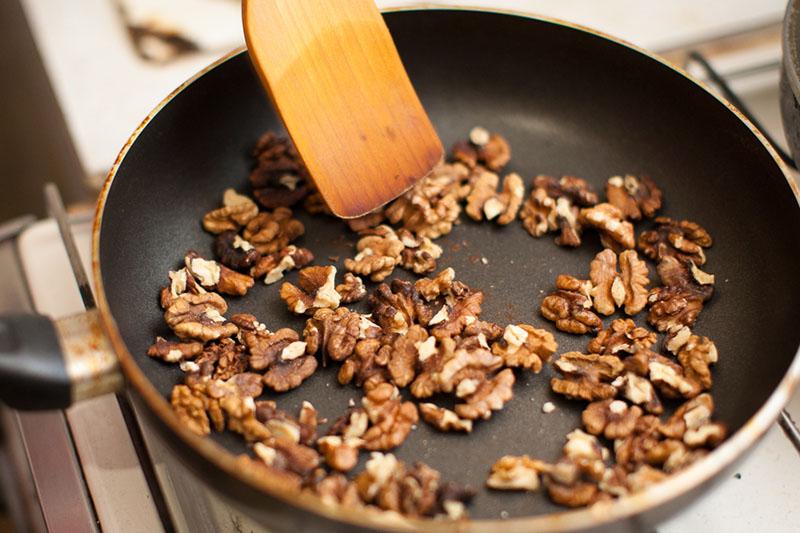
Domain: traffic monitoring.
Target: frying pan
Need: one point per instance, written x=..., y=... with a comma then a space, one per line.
x=570, y=101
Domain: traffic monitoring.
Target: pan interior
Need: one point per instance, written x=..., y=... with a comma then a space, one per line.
x=569, y=102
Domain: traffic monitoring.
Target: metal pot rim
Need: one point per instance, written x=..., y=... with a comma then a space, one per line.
x=600, y=514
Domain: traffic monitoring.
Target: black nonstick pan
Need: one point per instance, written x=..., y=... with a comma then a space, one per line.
x=570, y=101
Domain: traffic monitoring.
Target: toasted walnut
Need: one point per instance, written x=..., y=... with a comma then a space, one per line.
x=365, y=222
x=258, y=467
x=470, y=365
x=670, y=379
x=420, y=253
x=607, y=292
x=570, y=306
x=444, y=419
x=264, y=346
x=351, y=289
x=418, y=491
x=490, y=395
x=681, y=239
x=441, y=284
x=391, y=418
x=242, y=419
x=574, y=480
x=180, y=282
x=615, y=233
x=199, y=316
x=287, y=374
x=235, y=252
x=351, y=425
x=378, y=254
x=214, y=276
x=611, y=418
x=279, y=178
x=236, y=211
x=553, y=204
x=404, y=354
x=691, y=422
x=316, y=290
x=273, y=266
x=622, y=336
x=634, y=197
x=288, y=455
x=538, y=213
x=397, y=307
x=366, y=367
x=586, y=377
x=680, y=300
x=230, y=358
x=488, y=149
x=334, y=333
x=174, y=352
x=643, y=477
x=270, y=232
x=485, y=202
x=695, y=356
x=525, y=346
x=431, y=207
x=635, y=279
x=638, y=390
x=337, y=489
x=452, y=322
x=516, y=473
x=340, y=454
x=433, y=355
x=633, y=450
x=190, y=407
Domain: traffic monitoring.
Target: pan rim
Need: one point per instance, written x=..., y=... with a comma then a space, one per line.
x=599, y=514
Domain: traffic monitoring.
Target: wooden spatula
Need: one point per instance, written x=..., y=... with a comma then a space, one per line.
x=334, y=75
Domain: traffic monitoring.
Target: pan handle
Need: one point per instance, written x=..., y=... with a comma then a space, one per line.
x=50, y=364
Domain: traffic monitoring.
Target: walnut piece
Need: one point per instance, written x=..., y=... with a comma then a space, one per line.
x=334, y=333
x=691, y=422
x=490, y=395
x=190, y=407
x=391, y=418
x=316, y=290
x=279, y=178
x=351, y=289
x=378, y=254
x=622, y=336
x=484, y=201
x=570, y=306
x=488, y=149
x=420, y=253
x=235, y=252
x=516, y=473
x=634, y=197
x=399, y=306
x=695, y=356
x=444, y=419
x=174, y=352
x=199, y=316
x=613, y=419
x=679, y=302
x=236, y=211
x=553, y=205
x=638, y=390
x=586, y=376
x=341, y=454
x=415, y=492
x=273, y=266
x=682, y=239
x=287, y=374
x=217, y=277
x=615, y=233
x=439, y=285
x=525, y=346
x=270, y=232
x=431, y=207
x=611, y=289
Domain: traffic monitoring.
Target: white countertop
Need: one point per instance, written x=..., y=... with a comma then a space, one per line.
x=105, y=89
